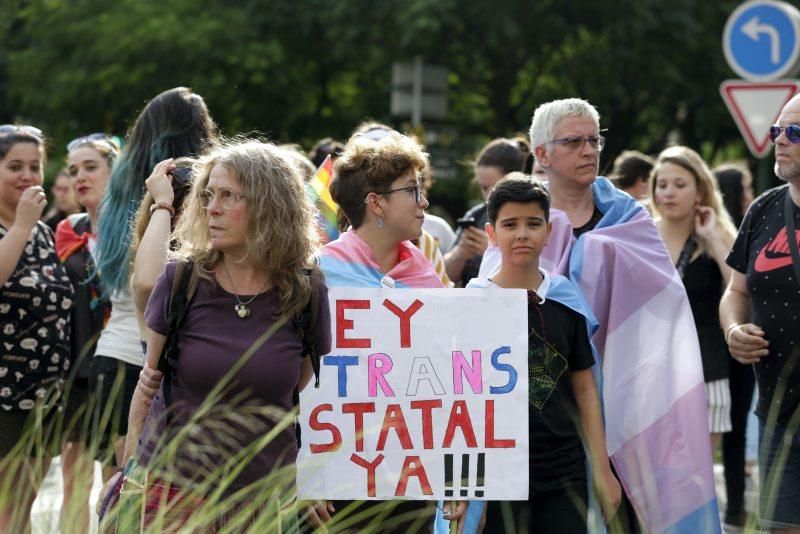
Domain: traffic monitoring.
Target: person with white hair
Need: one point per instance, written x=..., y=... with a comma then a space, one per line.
x=652, y=377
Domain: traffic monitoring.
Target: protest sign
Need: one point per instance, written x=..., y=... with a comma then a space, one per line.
x=423, y=396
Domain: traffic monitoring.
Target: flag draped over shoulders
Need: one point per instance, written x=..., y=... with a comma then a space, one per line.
x=349, y=262
x=653, y=390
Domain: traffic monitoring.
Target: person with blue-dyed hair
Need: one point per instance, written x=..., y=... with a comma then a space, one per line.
x=174, y=124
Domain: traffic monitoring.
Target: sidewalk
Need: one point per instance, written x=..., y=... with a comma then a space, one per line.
x=46, y=507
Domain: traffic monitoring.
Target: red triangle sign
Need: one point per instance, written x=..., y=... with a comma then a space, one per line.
x=755, y=107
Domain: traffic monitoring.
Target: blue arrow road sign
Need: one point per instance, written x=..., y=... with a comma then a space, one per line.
x=761, y=40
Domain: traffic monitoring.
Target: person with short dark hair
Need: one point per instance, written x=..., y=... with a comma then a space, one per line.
x=64, y=202
x=630, y=173
x=563, y=395
x=498, y=158
x=323, y=148
x=759, y=314
x=736, y=185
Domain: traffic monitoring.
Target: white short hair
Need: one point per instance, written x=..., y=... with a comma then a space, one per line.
x=547, y=116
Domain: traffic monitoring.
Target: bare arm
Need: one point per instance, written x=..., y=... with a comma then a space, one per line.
x=719, y=250
x=745, y=340
x=607, y=487
x=30, y=207
x=152, y=253
x=150, y=257
x=144, y=393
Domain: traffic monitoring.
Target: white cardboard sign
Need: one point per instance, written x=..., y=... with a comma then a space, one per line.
x=423, y=396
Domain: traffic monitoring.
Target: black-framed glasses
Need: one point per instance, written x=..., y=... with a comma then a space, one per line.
x=226, y=198
x=576, y=142
x=24, y=128
x=792, y=133
x=99, y=136
x=417, y=190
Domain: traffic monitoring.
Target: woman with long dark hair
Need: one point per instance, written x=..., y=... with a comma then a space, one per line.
x=175, y=123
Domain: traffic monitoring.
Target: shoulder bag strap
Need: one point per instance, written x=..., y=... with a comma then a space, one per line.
x=791, y=233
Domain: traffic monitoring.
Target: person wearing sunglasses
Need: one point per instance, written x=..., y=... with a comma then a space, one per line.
x=759, y=314
x=35, y=299
x=89, y=163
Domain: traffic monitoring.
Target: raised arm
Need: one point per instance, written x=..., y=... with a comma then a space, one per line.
x=152, y=253
x=29, y=210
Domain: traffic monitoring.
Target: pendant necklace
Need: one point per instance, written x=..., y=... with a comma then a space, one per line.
x=241, y=307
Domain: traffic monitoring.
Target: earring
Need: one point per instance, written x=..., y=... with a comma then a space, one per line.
x=380, y=221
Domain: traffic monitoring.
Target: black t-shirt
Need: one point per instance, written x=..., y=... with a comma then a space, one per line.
x=473, y=265
x=704, y=286
x=761, y=253
x=557, y=343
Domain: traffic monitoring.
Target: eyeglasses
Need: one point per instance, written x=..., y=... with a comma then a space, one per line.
x=225, y=198
x=100, y=136
x=792, y=133
x=577, y=142
x=416, y=189
x=24, y=128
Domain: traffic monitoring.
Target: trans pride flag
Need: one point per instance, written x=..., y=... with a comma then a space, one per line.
x=321, y=197
x=653, y=390
x=349, y=262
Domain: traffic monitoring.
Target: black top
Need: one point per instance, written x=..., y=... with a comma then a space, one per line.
x=90, y=308
x=557, y=343
x=473, y=265
x=704, y=286
x=761, y=252
x=590, y=224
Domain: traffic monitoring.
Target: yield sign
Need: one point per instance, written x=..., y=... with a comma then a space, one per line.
x=755, y=107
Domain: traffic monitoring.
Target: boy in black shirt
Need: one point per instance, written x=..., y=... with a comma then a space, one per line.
x=562, y=391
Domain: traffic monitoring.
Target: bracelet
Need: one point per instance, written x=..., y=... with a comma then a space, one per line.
x=728, y=331
x=163, y=206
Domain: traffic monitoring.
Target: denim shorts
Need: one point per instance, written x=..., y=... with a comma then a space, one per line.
x=779, y=477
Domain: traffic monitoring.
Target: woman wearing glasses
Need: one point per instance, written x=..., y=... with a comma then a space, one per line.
x=248, y=230
x=89, y=162
x=495, y=160
x=35, y=298
x=698, y=233
x=377, y=184
x=175, y=123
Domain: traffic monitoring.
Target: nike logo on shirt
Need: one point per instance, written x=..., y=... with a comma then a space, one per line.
x=775, y=254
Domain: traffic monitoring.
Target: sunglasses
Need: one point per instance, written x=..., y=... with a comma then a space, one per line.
x=99, y=136
x=792, y=133
x=24, y=128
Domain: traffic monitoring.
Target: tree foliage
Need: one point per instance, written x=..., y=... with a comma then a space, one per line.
x=297, y=71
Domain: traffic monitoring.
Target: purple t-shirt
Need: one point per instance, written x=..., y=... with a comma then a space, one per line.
x=212, y=339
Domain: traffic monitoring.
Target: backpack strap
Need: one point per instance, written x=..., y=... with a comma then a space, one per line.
x=305, y=324
x=184, y=286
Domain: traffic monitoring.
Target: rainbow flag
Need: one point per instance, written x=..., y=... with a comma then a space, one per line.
x=319, y=191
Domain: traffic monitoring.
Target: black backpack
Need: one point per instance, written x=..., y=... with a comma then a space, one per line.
x=184, y=286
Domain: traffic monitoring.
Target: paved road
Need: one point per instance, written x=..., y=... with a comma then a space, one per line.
x=46, y=508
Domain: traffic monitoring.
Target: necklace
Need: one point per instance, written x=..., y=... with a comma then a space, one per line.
x=241, y=307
